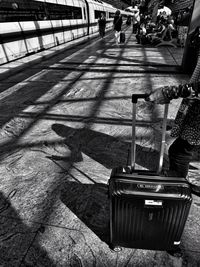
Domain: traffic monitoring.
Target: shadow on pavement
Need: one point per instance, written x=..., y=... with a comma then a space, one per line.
x=105, y=149
x=90, y=203
x=18, y=240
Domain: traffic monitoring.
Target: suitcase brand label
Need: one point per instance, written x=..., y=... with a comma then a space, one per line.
x=151, y=202
x=151, y=187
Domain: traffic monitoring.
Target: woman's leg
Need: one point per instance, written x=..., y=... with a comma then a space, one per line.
x=104, y=31
x=118, y=37
x=101, y=32
x=180, y=155
x=117, y=34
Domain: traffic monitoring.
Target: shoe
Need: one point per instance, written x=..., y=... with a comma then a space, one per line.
x=177, y=252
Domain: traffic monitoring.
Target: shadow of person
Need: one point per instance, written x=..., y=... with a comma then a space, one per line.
x=107, y=150
x=19, y=245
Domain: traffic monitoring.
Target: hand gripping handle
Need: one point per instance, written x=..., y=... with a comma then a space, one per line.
x=135, y=97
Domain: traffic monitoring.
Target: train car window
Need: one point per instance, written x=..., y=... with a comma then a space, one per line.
x=111, y=15
x=97, y=13
x=23, y=10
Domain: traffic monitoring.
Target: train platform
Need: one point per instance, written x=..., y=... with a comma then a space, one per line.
x=65, y=123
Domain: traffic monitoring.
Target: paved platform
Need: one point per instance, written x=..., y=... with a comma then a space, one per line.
x=65, y=123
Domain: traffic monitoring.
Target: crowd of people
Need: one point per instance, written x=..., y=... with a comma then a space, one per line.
x=165, y=27
x=149, y=30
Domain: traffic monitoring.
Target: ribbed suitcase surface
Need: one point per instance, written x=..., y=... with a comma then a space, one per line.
x=148, y=212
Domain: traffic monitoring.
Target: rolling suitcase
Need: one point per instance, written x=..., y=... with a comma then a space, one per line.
x=122, y=37
x=147, y=210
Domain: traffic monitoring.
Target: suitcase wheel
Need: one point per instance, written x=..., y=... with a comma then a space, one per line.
x=115, y=249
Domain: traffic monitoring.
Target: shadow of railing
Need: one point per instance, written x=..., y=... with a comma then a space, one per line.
x=17, y=238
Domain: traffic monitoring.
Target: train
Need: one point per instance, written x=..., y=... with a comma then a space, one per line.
x=30, y=26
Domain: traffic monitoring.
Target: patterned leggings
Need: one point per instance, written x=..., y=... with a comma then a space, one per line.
x=180, y=155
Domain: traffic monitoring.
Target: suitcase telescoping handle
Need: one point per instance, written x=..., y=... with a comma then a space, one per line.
x=135, y=98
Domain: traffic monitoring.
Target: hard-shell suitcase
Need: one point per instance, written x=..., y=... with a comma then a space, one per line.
x=122, y=37
x=147, y=210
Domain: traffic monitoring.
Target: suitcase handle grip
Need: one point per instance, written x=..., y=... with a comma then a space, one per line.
x=135, y=97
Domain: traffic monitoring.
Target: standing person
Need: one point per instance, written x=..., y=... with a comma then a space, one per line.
x=117, y=23
x=128, y=21
x=136, y=19
x=141, y=36
x=102, y=25
x=143, y=6
x=183, y=21
x=186, y=127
